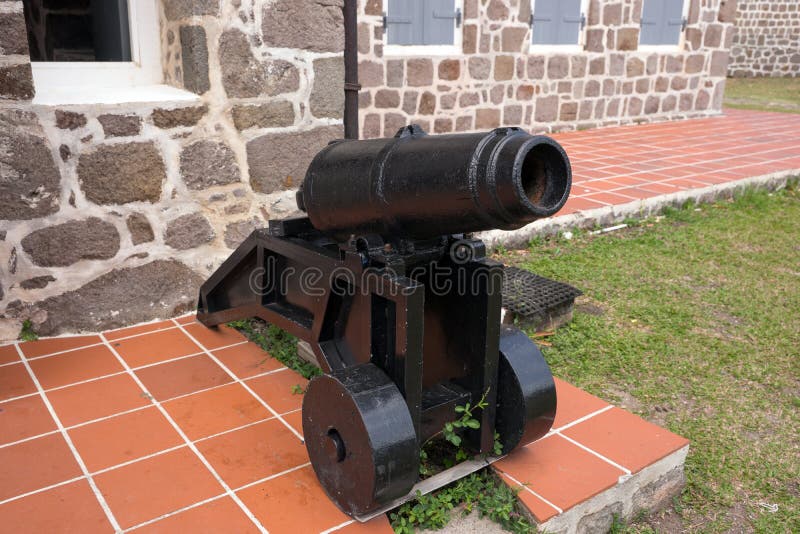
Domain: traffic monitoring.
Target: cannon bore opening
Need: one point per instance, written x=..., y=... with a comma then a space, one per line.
x=544, y=177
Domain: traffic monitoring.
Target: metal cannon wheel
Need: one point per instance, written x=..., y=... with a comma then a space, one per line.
x=360, y=438
x=526, y=392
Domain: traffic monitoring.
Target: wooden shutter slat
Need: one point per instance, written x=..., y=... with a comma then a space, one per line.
x=439, y=22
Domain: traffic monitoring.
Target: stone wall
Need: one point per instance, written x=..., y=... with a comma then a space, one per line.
x=767, y=39
x=502, y=79
x=112, y=214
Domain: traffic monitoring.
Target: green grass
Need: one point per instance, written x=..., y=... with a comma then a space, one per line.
x=279, y=345
x=692, y=320
x=763, y=94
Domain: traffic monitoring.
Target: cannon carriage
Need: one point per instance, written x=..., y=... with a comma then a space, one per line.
x=399, y=301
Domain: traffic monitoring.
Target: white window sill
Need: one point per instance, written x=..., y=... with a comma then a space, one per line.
x=421, y=50
x=662, y=48
x=557, y=48
x=61, y=96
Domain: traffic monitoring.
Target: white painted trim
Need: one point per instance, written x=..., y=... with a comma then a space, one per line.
x=390, y=50
x=668, y=48
x=144, y=70
x=76, y=94
x=662, y=48
x=567, y=48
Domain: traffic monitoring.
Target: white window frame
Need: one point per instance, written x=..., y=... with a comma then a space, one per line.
x=427, y=50
x=563, y=48
x=666, y=47
x=98, y=82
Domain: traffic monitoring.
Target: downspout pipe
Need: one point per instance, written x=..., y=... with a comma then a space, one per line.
x=351, y=85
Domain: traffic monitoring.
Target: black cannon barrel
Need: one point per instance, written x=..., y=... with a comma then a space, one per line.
x=419, y=186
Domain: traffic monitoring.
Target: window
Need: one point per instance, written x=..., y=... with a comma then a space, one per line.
x=104, y=51
x=662, y=22
x=557, y=22
x=422, y=26
x=78, y=31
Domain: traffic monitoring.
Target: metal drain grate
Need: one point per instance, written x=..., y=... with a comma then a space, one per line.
x=526, y=294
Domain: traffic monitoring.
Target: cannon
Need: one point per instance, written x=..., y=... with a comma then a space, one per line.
x=399, y=302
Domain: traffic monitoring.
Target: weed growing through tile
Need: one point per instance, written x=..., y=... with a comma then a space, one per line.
x=279, y=344
x=27, y=333
x=443, y=450
x=481, y=491
x=690, y=319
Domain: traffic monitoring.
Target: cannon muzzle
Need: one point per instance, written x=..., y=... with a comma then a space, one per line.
x=419, y=186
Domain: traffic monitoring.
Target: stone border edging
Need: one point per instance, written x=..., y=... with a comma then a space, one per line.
x=638, y=209
x=650, y=489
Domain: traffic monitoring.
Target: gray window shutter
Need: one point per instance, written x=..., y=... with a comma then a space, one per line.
x=557, y=21
x=673, y=21
x=570, y=22
x=662, y=21
x=439, y=22
x=545, y=22
x=403, y=22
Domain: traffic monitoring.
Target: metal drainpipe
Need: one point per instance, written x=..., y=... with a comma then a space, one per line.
x=351, y=85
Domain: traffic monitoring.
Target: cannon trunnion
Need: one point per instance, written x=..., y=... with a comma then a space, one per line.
x=399, y=303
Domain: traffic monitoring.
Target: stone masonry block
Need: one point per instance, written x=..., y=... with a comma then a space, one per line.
x=194, y=54
x=315, y=25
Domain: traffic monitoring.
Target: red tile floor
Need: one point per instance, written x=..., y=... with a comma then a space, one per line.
x=164, y=427
x=170, y=427
x=623, y=164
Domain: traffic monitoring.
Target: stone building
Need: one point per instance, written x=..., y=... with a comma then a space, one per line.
x=767, y=39
x=134, y=161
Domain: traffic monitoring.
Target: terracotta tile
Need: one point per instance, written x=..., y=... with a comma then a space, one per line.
x=41, y=347
x=278, y=502
x=573, y=403
x=626, y=439
x=221, y=515
x=96, y=399
x=36, y=464
x=636, y=192
x=24, y=418
x=214, y=338
x=153, y=487
x=276, y=390
x=187, y=375
x=295, y=419
x=47, y=511
x=249, y=454
x=75, y=366
x=15, y=381
x=216, y=410
x=578, y=204
x=540, y=509
x=187, y=319
x=123, y=438
x=8, y=354
x=560, y=471
x=377, y=525
x=609, y=198
x=138, y=329
x=247, y=360
x=155, y=347
x=660, y=188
